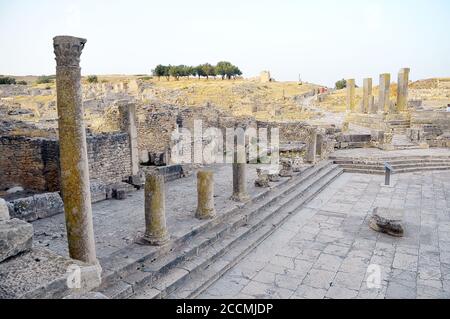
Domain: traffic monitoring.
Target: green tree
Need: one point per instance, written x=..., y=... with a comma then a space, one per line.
x=7, y=80
x=160, y=70
x=341, y=84
x=92, y=79
x=224, y=68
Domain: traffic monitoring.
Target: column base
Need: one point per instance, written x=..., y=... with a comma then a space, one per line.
x=202, y=215
x=153, y=241
x=242, y=198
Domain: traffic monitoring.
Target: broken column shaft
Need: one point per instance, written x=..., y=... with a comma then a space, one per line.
x=155, y=211
x=402, y=90
x=384, y=104
x=350, y=95
x=75, y=183
x=128, y=124
x=205, y=193
x=240, y=175
x=312, y=147
x=367, y=96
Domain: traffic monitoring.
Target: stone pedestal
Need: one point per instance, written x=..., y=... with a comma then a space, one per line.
x=384, y=104
x=73, y=151
x=350, y=95
x=367, y=95
x=205, y=195
x=402, y=90
x=156, y=233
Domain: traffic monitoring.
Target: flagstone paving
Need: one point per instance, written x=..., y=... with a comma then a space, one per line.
x=327, y=250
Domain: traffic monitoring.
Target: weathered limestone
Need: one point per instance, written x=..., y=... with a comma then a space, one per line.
x=156, y=233
x=311, y=153
x=128, y=123
x=16, y=236
x=388, y=221
x=262, y=179
x=240, y=193
x=384, y=104
x=319, y=145
x=73, y=151
x=402, y=90
x=4, y=211
x=205, y=193
x=286, y=168
x=350, y=95
x=367, y=95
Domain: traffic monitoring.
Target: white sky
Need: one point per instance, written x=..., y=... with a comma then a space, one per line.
x=322, y=40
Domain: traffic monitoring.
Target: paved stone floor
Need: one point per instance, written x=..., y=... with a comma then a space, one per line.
x=326, y=250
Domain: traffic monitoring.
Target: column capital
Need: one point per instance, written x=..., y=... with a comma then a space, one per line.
x=67, y=50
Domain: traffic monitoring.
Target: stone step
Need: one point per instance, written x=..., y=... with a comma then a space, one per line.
x=399, y=171
x=203, y=277
x=157, y=264
x=392, y=160
x=396, y=167
x=237, y=229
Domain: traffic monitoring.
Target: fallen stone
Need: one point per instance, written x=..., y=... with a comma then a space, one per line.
x=262, y=179
x=4, y=211
x=286, y=170
x=16, y=236
x=388, y=221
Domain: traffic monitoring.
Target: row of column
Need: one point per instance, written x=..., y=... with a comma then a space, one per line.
x=368, y=105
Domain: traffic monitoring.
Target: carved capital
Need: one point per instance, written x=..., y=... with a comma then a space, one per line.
x=68, y=50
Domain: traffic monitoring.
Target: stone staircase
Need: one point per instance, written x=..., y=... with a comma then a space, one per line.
x=185, y=270
x=400, y=164
x=398, y=126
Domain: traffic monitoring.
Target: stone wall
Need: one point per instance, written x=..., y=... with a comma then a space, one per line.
x=290, y=132
x=33, y=163
x=435, y=118
x=29, y=162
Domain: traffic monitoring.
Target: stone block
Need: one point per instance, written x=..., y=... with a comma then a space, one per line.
x=16, y=236
x=387, y=220
x=4, y=211
x=24, y=209
x=48, y=204
x=98, y=191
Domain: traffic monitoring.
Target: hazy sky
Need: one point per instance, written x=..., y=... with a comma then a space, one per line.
x=322, y=40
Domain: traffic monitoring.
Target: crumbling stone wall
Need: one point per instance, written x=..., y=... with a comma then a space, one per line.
x=289, y=131
x=33, y=163
x=29, y=162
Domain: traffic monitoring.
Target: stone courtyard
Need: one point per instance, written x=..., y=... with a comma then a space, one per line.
x=326, y=247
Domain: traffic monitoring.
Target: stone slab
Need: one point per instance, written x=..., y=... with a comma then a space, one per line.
x=16, y=236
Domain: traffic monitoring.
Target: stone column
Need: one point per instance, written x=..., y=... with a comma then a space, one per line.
x=205, y=193
x=156, y=233
x=239, y=174
x=319, y=145
x=75, y=183
x=402, y=90
x=128, y=124
x=312, y=147
x=384, y=104
x=367, y=95
x=350, y=95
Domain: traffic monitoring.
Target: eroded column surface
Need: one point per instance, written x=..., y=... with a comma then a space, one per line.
x=367, y=95
x=350, y=95
x=205, y=195
x=155, y=211
x=75, y=183
x=312, y=147
x=402, y=90
x=384, y=104
x=240, y=193
x=128, y=112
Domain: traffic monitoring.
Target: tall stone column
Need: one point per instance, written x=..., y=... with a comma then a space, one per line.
x=367, y=95
x=402, y=90
x=319, y=145
x=156, y=233
x=384, y=104
x=128, y=123
x=73, y=150
x=205, y=195
x=350, y=95
x=312, y=147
